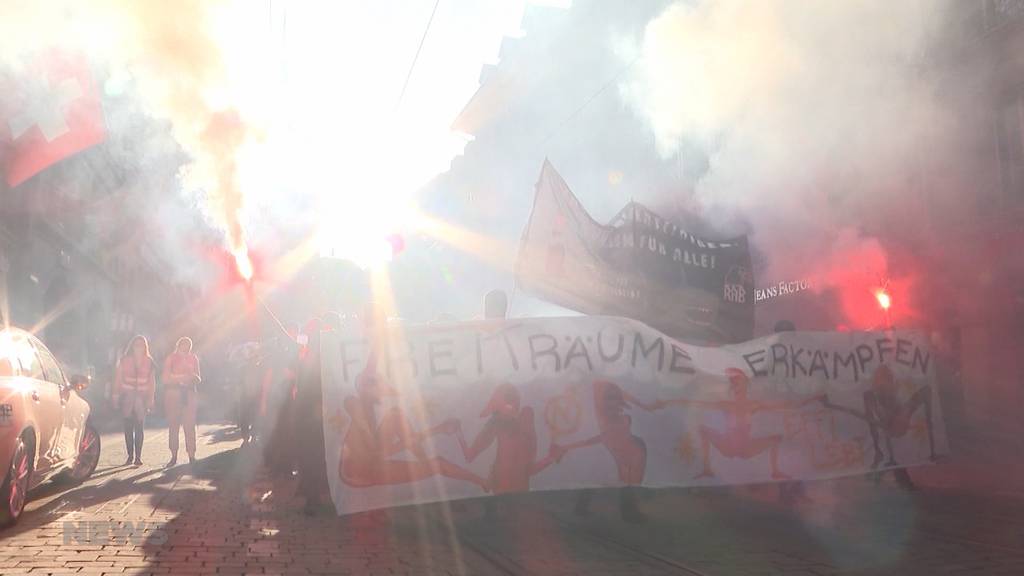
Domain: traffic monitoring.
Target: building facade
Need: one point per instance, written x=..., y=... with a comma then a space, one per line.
x=982, y=55
x=76, y=261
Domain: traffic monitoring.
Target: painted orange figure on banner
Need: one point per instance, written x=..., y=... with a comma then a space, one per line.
x=817, y=429
x=371, y=443
x=615, y=431
x=885, y=413
x=737, y=440
x=513, y=428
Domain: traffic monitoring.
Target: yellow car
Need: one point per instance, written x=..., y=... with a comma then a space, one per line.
x=44, y=422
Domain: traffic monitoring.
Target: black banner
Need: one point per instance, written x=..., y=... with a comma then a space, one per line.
x=642, y=266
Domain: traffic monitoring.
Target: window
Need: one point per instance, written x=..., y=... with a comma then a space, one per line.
x=51, y=369
x=17, y=356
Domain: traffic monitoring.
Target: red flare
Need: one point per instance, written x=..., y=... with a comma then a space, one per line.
x=243, y=263
x=883, y=299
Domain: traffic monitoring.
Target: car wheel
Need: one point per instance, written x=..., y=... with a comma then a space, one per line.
x=88, y=456
x=14, y=492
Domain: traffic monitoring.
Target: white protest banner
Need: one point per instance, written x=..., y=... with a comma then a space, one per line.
x=463, y=410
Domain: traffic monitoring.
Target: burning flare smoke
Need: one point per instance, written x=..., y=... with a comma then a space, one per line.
x=813, y=118
x=174, y=53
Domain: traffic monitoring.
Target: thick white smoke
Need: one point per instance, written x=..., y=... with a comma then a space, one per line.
x=815, y=116
x=176, y=56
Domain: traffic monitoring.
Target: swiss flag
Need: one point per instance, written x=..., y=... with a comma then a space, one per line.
x=54, y=113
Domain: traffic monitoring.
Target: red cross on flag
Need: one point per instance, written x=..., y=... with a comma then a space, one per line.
x=54, y=114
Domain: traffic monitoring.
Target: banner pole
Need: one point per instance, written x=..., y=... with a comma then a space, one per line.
x=277, y=322
x=632, y=261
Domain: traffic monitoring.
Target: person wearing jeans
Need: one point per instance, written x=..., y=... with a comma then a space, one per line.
x=133, y=396
x=181, y=380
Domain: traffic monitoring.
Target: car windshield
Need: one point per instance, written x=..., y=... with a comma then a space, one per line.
x=512, y=286
x=16, y=354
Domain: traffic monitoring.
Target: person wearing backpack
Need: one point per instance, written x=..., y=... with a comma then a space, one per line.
x=181, y=380
x=134, y=394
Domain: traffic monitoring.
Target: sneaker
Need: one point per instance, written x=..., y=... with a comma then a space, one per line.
x=129, y=461
x=903, y=480
x=172, y=463
x=138, y=462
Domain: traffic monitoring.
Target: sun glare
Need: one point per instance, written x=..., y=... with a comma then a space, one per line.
x=363, y=235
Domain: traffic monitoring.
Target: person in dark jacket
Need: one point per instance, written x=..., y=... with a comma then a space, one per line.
x=309, y=422
x=249, y=385
x=277, y=403
x=495, y=308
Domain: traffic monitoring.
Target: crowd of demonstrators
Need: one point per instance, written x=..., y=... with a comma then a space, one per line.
x=495, y=309
x=280, y=404
x=502, y=425
x=279, y=401
x=134, y=395
x=792, y=491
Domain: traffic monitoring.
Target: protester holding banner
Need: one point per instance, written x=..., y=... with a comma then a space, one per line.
x=888, y=416
x=495, y=308
x=510, y=427
x=615, y=404
x=790, y=492
x=628, y=450
x=372, y=445
x=496, y=305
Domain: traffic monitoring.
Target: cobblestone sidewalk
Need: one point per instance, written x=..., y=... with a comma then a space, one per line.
x=226, y=517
